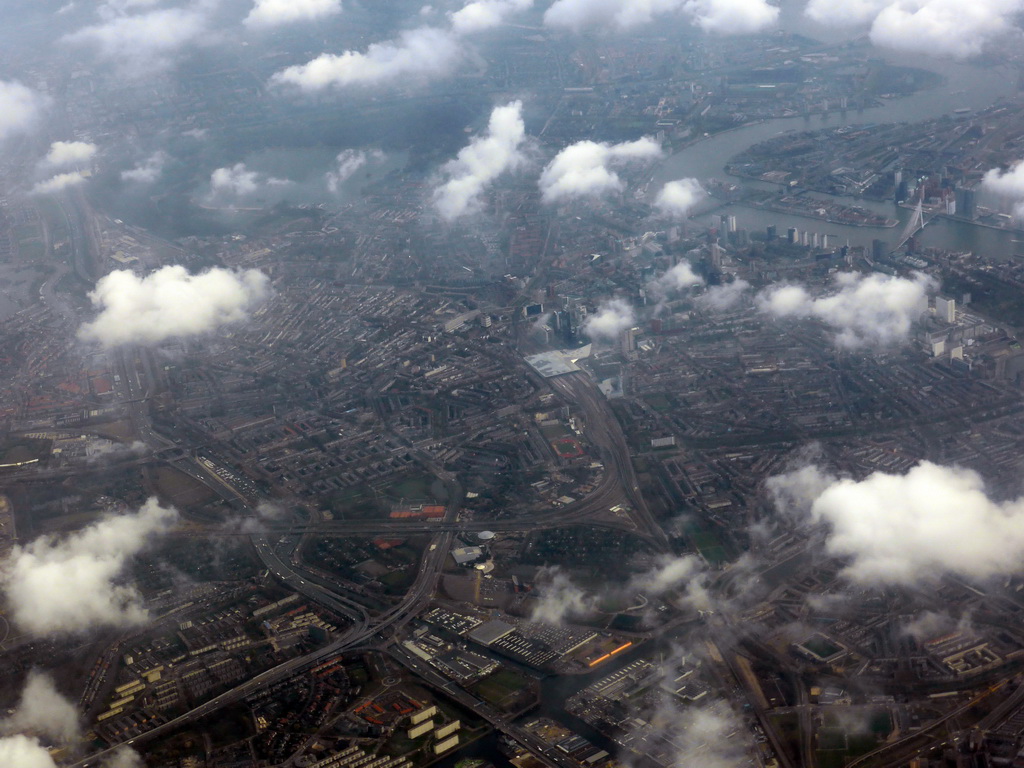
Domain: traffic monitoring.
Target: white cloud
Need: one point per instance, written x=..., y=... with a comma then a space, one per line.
x=708, y=736
x=148, y=170
x=681, y=276
x=678, y=278
x=928, y=625
x=951, y=27
x=481, y=162
x=905, y=529
x=726, y=296
x=98, y=452
x=58, y=183
x=849, y=13
x=349, y=161
x=584, y=168
x=110, y=8
x=20, y=108
x=611, y=319
x=715, y=16
x=138, y=44
x=1009, y=183
x=667, y=574
x=64, y=153
x=271, y=13
x=417, y=54
x=936, y=27
x=268, y=510
x=677, y=198
x=732, y=17
x=785, y=301
x=43, y=710
x=170, y=303
x=559, y=598
x=794, y=492
x=621, y=14
x=238, y=181
x=24, y=752
x=873, y=311
x=686, y=580
x=125, y=757
x=75, y=584
x=481, y=15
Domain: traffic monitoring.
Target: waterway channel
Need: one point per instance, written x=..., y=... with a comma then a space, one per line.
x=965, y=87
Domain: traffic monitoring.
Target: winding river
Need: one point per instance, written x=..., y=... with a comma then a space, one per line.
x=965, y=86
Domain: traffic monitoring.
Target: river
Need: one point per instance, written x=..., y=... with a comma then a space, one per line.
x=966, y=86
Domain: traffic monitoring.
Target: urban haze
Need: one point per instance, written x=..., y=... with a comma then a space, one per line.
x=490, y=383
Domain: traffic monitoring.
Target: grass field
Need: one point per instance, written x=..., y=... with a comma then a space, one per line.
x=658, y=402
x=708, y=544
x=555, y=431
x=848, y=733
x=31, y=249
x=414, y=488
x=180, y=489
x=503, y=689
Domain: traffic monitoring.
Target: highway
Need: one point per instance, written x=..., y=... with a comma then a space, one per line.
x=900, y=752
x=618, y=485
x=56, y=304
x=363, y=628
x=358, y=633
x=73, y=207
x=724, y=634
x=603, y=430
x=301, y=583
x=269, y=677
